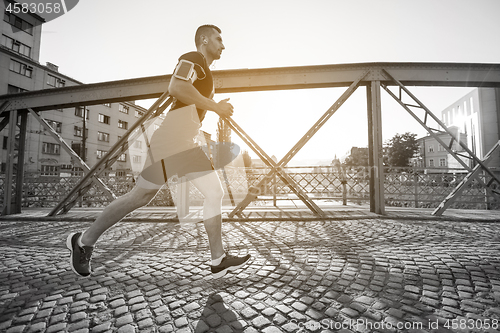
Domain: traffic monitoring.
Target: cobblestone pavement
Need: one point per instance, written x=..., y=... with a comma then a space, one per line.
x=361, y=275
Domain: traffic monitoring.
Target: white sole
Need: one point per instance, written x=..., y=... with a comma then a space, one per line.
x=230, y=269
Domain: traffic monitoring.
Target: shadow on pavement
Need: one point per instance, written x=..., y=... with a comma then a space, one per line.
x=217, y=315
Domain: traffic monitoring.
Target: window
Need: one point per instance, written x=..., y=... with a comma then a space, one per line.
x=122, y=158
x=20, y=68
x=122, y=124
x=440, y=147
x=138, y=144
x=15, y=90
x=51, y=80
x=137, y=114
x=100, y=153
x=56, y=125
x=18, y=22
x=123, y=108
x=136, y=159
x=16, y=46
x=77, y=148
x=431, y=162
x=101, y=136
x=431, y=148
x=442, y=162
x=103, y=118
x=49, y=170
x=55, y=81
x=51, y=148
x=80, y=110
x=107, y=105
x=78, y=131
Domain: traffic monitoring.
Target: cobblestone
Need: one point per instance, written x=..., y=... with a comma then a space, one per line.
x=155, y=276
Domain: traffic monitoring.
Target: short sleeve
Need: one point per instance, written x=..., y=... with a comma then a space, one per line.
x=197, y=59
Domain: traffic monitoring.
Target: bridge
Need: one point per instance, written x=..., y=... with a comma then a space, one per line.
x=394, y=78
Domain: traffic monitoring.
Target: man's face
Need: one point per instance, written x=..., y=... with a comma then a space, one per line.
x=215, y=45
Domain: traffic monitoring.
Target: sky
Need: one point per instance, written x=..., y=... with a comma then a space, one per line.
x=106, y=40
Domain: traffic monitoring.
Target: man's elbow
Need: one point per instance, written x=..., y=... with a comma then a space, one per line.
x=173, y=89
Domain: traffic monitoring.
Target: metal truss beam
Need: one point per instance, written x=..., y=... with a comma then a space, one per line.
x=269, y=162
x=9, y=172
x=111, y=156
x=374, y=103
x=259, y=188
x=433, y=133
x=242, y=80
x=280, y=78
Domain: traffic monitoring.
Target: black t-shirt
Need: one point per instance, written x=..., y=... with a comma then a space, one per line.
x=204, y=83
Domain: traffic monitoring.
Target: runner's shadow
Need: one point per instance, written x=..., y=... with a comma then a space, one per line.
x=217, y=317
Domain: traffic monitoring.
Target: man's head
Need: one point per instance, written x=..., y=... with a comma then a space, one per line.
x=208, y=38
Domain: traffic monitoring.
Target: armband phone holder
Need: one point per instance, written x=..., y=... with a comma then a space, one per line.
x=185, y=71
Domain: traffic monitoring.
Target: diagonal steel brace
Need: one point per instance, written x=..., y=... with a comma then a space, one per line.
x=465, y=182
x=74, y=155
x=446, y=130
x=268, y=161
x=442, y=125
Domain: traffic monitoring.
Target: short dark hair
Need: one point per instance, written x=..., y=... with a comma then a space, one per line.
x=204, y=30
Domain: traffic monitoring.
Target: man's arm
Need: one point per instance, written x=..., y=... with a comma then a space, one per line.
x=185, y=92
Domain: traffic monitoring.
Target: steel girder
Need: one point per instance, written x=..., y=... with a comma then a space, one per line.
x=281, y=78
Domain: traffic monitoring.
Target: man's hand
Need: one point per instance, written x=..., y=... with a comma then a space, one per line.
x=224, y=109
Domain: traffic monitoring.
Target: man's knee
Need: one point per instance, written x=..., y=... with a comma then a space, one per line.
x=216, y=193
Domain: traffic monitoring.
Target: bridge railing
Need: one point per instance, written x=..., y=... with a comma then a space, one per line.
x=404, y=187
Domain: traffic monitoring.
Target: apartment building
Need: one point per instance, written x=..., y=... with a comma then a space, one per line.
x=91, y=131
x=433, y=155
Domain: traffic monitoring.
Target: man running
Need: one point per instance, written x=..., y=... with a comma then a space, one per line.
x=173, y=151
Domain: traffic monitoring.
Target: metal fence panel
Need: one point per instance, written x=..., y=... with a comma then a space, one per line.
x=404, y=187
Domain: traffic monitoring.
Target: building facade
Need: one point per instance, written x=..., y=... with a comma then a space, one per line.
x=432, y=155
x=91, y=131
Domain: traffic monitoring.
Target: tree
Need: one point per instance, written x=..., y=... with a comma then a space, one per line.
x=401, y=148
x=358, y=157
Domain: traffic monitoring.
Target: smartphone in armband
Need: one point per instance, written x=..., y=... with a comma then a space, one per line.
x=185, y=71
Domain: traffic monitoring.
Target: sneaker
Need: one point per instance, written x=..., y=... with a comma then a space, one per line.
x=229, y=263
x=80, y=256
